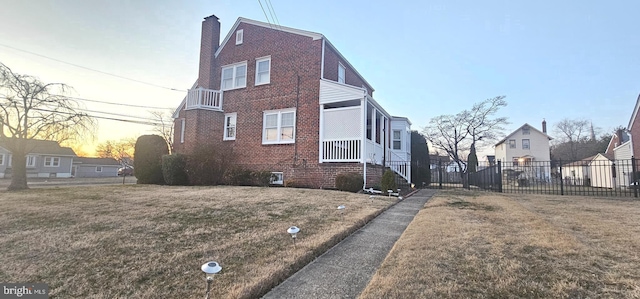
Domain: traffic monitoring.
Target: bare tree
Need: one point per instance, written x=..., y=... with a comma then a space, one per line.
x=457, y=134
x=572, y=132
x=164, y=126
x=31, y=109
x=121, y=150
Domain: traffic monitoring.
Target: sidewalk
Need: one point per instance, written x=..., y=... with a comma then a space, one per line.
x=346, y=269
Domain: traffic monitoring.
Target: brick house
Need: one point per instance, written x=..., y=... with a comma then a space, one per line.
x=285, y=100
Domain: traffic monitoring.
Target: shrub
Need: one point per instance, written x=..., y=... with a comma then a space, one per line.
x=290, y=183
x=262, y=178
x=149, y=150
x=173, y=169
x=238, y=177
x=349, y=181
x=207, y=164
x=388, y=181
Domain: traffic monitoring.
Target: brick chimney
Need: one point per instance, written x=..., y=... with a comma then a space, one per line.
x=544, y=126
x=209, y=43
x=619, y=132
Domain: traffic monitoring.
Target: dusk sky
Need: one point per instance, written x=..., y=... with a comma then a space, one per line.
x=552, y=59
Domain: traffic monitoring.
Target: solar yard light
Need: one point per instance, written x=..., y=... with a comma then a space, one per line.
x=294, y=230
x=341, y=209
x=389, y=192
x=210, y=269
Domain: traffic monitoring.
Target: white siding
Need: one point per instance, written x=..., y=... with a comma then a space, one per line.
x=331, y=92
x=600, y=172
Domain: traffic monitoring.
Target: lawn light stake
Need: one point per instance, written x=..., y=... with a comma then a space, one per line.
x=210, y=269
x=294, y=230
x=341, y=209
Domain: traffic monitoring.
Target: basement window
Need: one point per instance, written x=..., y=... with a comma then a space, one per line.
x=277, y=178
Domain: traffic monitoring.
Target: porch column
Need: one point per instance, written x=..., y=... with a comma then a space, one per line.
x=321, y=135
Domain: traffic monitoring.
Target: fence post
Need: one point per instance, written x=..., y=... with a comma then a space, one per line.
x=561, y=178
x=440, y=174
x=634, y=183
x=499, y=176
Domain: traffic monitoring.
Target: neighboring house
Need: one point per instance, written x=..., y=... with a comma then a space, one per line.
x=95, y=167
x=45, y=159
x=623, y=148
x=523, y=148
x=285, y=100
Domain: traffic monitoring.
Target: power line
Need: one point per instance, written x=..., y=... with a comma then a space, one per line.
x=274, y=12
x=265, y=14
x=94, y=70
x=120, y=104
x=102, y=117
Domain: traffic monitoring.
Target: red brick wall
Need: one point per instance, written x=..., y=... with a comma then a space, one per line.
x=331, y=59
x=635, y=137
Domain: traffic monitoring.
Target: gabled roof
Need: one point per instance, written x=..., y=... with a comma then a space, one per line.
x=583, y=162
x=313, y=35
x=625, y=138
x=605, y=155
x=96, y=161
x=518, y=129
x=634, y=114
x=44, y=147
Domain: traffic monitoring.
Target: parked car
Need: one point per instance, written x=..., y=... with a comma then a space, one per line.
x=127, y=170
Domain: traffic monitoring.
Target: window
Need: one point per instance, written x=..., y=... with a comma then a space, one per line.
x=341, y=73
x=49, y=161
x=1, y=159
x=182, y=123
x=234, y=76
x=369, y=122
x=397, y=139
x=230, y=126
x=277, y=178
x=263, y=70
x=512, y=143
x=525, y=144
x=239, y=37
x=279, y=126
x=98, y=168
x=378, y=126
x=31, y=161
x=526, y=130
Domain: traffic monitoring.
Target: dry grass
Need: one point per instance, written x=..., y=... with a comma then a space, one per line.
x=149, y=241
x=466, y=244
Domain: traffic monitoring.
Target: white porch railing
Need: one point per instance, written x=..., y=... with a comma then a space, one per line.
x=200, y=98
x=341, y=150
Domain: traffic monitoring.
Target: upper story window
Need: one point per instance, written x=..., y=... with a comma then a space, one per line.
x=526, y=144
x=234, y=76
x=341, y=73
x=279, y=126
x=239, y=37
x=49, y=161
x=526, y=130
x=512, y=143
x=397, y=139
x=230, y=126
x=263, y=70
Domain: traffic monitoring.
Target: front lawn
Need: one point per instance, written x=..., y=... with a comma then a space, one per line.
x=139, y=241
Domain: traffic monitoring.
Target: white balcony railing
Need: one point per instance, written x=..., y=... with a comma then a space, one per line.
x=200, y=98
x=341, y=150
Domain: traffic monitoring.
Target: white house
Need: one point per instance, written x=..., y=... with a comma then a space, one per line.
x=523, y=147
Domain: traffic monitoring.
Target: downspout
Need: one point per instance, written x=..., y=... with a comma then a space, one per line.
x=363, y=140
x=295, y=142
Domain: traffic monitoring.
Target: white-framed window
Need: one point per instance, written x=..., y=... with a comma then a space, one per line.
x=263, y=70
x=341, y=72
x=526, y=130
x=49, y=161
x=98, y=168
x=277, y=178
x=279, y=126
x=230, y=126
x=239, y=37
x=31, y=161
x=182, y=123
x=9, y=158
x=512, y=143
x=234, y=76
x=1, y=159
x=397, y=139
x=526, y=144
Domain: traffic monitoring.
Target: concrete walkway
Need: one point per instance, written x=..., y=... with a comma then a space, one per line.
x=346, y=269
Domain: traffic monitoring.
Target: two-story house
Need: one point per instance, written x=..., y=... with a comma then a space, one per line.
x=287, y=101
x=523, y=147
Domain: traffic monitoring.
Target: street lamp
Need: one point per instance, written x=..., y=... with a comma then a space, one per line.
x=210, y=269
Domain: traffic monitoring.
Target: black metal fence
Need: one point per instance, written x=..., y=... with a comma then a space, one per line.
x=597, y=177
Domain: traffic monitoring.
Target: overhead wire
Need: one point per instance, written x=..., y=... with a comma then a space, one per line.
x=94, y=70
x=265, y=14
x=274, y=12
